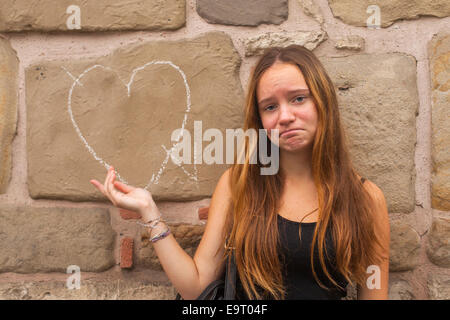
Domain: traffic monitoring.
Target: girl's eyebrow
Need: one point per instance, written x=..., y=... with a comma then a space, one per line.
x=297, y=91
x=304, y=91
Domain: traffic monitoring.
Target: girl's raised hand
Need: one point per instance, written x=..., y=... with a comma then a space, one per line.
x=124, y=196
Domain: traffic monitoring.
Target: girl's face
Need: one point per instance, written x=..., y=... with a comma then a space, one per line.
x=284, y=103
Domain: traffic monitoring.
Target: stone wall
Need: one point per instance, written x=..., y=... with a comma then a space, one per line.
x=86, y=85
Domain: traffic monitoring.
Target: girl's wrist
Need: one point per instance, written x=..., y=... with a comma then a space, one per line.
x=148, y=214
x=161, y=226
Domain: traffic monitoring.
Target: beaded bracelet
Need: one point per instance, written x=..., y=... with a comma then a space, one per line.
x=161, y=235
x=152, y=223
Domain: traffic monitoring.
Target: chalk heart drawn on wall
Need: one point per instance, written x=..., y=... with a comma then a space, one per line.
x=78, y=81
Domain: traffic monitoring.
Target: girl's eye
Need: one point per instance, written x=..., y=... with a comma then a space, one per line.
x=267, y=108
x=302, y=99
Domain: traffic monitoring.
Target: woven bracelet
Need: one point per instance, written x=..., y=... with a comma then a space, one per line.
x=161, y=235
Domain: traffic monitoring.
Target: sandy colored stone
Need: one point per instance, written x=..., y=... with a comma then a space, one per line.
x=243, y=13
x=187, y=236
x=438, y=245
x=439, y=286
x=379, y=116
x=308, y=39
x=354, y=12
x=400, y=290
x=114, y=289
x=439, y=57
x=353, y=42
x=404, y=248
x=9, y=66
x=131, y=130
x=51, y=239
x=312, y=9
x=99, y=15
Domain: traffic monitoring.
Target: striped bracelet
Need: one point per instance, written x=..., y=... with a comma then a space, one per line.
x=161, y=235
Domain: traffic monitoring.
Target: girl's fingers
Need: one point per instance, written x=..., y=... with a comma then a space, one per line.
x=105, y=184
x=98, y=185
x=111, y=187
x=122, y=186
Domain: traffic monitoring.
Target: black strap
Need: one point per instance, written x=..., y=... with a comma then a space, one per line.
x=230, y=279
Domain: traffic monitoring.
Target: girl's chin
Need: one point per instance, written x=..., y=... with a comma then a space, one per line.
x=293, y=147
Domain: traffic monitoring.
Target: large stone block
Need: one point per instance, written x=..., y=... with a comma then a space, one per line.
x=9, y=66
x=99, y=15
x=187, y=236
x=439, y=56
x=404, y=248
x=52, y=239
x=378, y=102
x=91, y=289
x=357, y=12
x=438, y=246
x=122, y=110
x=243, y=13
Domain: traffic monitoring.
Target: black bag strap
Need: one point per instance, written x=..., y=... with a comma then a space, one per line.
x=230, y=278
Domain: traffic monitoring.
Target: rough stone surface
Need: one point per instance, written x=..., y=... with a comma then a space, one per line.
x=51, y=239
x=400, y=290
x=438, y=245
x=380, y=118
x=355, y=43
x=404, y=248
x=354, y=12
x=99, y=15
x=114, y=289
x=131, y=130
x=439, y=56
x=308, y=39
x=312, y=9
x=243, y=13
x=187, y=236
x=439, y=286
x=9, y=66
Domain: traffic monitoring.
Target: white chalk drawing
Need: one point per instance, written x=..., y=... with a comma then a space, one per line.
x=374, y=21
x=74, y=20
x=154, y=179
x=74, y=280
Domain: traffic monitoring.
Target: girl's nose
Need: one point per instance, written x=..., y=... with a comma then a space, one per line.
x=286, y=114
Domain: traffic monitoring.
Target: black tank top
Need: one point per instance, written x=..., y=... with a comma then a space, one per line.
x=294, y=255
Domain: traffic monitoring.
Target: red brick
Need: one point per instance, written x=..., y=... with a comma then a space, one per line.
x=127, y=214
x=126, y=253
x=203, y=213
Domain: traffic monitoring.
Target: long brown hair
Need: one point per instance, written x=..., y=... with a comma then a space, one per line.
x=345, y=206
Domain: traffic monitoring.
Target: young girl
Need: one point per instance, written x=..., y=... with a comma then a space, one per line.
x=302, y=233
